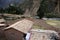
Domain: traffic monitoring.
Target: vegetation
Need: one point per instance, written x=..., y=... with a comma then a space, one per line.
x=38, y=27
x=12, y=10
x=54, y=23
x=52, y=15
x=46, y=9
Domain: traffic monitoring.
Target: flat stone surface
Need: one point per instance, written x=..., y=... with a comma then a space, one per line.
x=23, y=25
x=42, y=35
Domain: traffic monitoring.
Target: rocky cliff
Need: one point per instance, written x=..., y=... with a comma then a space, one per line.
x=31, y=6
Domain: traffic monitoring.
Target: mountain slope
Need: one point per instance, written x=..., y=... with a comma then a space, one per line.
x=31, y=7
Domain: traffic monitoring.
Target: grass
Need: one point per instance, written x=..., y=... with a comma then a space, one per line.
x=54, y=23
x=38, y=27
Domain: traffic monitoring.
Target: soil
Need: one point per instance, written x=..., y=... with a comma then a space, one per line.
x=42, y=23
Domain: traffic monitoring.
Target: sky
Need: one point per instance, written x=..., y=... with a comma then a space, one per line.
x=4, y=3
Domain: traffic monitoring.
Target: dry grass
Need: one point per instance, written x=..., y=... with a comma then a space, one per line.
x=54, y=23
x=37, y=27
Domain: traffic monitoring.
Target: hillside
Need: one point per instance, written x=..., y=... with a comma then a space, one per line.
x=31, y=6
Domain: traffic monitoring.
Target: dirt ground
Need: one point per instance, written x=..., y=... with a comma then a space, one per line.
x=43, y=24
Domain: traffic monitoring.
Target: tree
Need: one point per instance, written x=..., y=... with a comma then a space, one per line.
x=40, y=12
x=2, y=12
x=12, y=9
x=46, y=8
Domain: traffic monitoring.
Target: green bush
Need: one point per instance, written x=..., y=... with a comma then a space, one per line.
x=46, y=9
x=52, y=15
x=12, y=10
